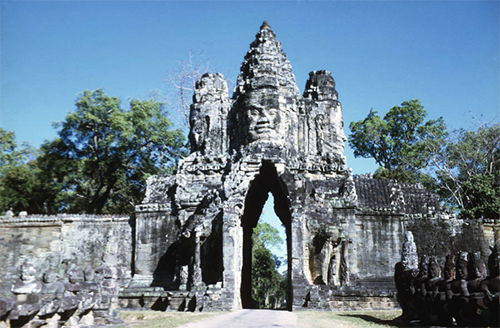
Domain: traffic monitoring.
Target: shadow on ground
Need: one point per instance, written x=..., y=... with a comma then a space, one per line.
x=372, y=319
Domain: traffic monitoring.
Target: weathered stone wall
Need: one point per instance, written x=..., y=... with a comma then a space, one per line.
x=444, y=235
x=156, y=245
x=52, y=243
x=491, y=231
x=376, y=247
x=380, y=236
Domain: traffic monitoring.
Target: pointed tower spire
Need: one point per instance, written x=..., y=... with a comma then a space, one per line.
x=265, y=25
x=266, y=65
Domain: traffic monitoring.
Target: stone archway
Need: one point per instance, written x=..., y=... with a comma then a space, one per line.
x=267, y=181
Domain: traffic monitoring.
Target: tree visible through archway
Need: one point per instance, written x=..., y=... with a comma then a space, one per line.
x=269, y=283
x=259, y=268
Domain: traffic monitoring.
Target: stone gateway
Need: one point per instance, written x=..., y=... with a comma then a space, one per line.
x=189, y=245
x=343, y=233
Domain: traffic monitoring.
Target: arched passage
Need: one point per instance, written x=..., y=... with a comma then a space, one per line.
x=267, y=181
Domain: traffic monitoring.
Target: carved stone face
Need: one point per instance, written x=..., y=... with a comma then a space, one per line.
x=461, y=270
x=27, y=272
x=49, y=277
x=479, y=270
x=198, y=132
x=262, y=116
x=434, y=270
x=449, y=271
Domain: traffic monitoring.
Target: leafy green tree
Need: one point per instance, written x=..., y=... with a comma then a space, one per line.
x=266, y=235
x=104, y=154
x=468, y=171
x=267, y=282
x=398, y=142
x=8, y=147
x=19, y=184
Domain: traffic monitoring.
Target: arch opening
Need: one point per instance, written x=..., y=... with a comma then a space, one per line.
x=265, y=183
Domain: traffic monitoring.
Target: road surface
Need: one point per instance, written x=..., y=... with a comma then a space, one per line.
x=248, y=319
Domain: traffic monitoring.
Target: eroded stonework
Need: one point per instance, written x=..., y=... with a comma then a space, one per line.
x=194, y=229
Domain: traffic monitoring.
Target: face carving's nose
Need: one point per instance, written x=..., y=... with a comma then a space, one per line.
x=263, y=119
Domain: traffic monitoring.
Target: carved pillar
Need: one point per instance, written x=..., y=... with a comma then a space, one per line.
x=197, y=279
x=344, y=263
x=298, y=265
x=302, y=131
x=232, y=240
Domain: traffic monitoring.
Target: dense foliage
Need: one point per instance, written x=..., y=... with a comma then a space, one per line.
x=398, y=142
x=268, y=285
x=20, y=188
x=467, y=170
x=463, y=167
x=101, y=159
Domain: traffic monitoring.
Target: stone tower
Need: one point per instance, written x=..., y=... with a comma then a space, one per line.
x=193, y=230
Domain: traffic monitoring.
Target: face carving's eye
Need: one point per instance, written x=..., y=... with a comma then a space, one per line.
x=272, y=111
x=254, y=112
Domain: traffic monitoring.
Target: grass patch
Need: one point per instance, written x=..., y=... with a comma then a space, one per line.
x=347, y=319
x=157, y=319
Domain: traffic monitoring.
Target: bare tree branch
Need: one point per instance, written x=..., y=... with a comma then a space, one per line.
x=183, y=78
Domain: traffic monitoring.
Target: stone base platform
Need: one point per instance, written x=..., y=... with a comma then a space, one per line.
x=322, y=297
x=318, y=297
x=156, y=298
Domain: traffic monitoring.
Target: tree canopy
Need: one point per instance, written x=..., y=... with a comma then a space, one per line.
x=398, y=142
x=102, y=157
x=20, y=188
x=467, y=170
x=104, y=153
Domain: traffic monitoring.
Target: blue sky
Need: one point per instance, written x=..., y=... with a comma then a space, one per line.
x=444, y=53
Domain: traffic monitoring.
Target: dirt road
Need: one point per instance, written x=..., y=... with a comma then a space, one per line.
x=248, y=319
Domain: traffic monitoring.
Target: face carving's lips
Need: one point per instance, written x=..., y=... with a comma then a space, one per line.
x=260, y=129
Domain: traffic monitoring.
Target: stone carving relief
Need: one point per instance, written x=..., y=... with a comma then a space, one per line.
x=262, y=117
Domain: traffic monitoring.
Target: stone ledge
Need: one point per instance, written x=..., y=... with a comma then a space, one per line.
x=62, y=218
x=153, y=207
x=32, y=222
